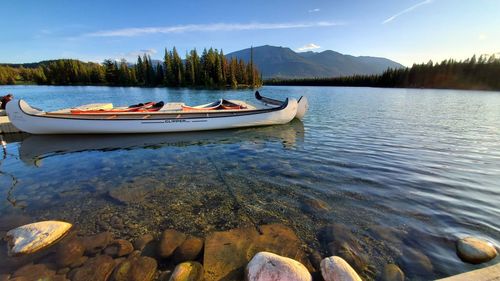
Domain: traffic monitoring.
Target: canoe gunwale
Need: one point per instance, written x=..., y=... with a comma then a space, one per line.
x=154, y=115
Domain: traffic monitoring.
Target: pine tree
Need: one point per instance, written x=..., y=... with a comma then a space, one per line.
x=177, y=68
x=139, y=70
x=169, y=73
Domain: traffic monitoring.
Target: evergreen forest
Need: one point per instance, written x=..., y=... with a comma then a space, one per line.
x=481, y=73
x=211, y=69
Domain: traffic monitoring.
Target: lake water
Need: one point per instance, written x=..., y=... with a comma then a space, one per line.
x=401, y=173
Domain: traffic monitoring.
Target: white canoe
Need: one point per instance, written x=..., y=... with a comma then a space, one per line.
x=35, y=121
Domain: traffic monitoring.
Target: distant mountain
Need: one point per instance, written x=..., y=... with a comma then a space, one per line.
x=284, y=63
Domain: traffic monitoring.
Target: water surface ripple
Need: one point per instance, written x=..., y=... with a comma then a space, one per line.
x=406, y=172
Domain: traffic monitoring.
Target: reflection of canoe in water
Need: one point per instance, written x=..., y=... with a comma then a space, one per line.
x=32, y=120
x=36, y=147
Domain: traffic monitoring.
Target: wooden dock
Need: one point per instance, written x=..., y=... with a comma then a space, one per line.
x=6, y=127
x=490, y=273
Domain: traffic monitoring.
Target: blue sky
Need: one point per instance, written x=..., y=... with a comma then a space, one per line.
x=406, y=31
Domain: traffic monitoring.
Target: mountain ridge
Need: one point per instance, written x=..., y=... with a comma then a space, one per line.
x=283, y=62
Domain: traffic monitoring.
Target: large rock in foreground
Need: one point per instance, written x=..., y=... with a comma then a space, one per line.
x=266, y=266
x=474, y=250
x=227, y=253
x=337, y=269
x=33, y=237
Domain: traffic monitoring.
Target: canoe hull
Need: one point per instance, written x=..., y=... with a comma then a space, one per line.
x=32, y=121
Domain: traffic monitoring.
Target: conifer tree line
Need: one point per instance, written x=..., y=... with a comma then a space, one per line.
x=211, y=69
x=481, y=73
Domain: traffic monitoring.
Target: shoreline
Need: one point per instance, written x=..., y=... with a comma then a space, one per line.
x=217, y=255
x=247, y=87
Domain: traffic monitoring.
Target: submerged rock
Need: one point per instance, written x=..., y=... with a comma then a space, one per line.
x=128, y=195
x=169, y=241
x=416, y=263
x=266, y=266
x=137, y=191
x=10, y=221
x=187, y=271
x=119, y=248
x=227, y=253
x=474, y=250
x=69, y=252
x=392, y=272
x=141, y=242
x=337, y=269
x=33, y=237
x=341, y=242
x=189, y=250
x=96, y=243
x=79, y=262
x=314, y=205
x=33, y=272
x=96, y=269
x=136, y=268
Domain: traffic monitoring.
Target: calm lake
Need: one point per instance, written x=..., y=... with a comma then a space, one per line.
x=402, y=173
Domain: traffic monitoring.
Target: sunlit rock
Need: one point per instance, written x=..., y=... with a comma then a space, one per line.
x=187, y=271
x=337, y=269
x=32, y=237
x=474, y=250
x=135, y=268
x=266, y=266
x=228, y=252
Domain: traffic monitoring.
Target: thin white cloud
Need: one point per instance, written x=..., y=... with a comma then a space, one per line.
x=149, y=51
x=308, y=47
x=388, y=20
x=314, y=10
x=138, y=31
